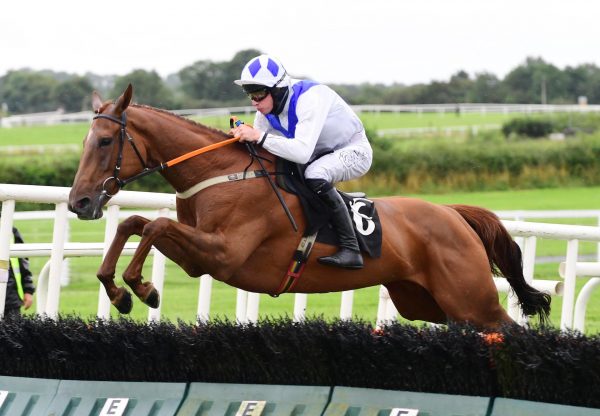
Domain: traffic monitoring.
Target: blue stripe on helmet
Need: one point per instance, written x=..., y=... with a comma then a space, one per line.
x=272, y=67
x=254, y=67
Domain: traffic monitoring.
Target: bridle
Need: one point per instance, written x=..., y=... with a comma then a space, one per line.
x=146, y=171
x=117, y=170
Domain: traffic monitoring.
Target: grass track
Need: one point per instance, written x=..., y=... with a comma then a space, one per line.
x=75, y=133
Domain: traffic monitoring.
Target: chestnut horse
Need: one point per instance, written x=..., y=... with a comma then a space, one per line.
x=436, y=261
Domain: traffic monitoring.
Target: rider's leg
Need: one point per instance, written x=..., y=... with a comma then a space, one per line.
x=348, y=256
x=349, y=162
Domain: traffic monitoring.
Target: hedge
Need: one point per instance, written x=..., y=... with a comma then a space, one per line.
x=530, y=364
x=60, y=170
x=529, y=127
x=476, y=166
x=431, y=167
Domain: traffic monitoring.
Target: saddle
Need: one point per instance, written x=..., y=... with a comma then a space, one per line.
x=367, y=226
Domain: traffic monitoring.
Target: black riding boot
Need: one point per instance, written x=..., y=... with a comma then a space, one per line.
x=348, y=256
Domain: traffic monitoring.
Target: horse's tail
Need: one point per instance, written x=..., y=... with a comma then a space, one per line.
x=504, y=255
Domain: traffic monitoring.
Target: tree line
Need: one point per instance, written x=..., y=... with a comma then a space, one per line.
x=206, y=84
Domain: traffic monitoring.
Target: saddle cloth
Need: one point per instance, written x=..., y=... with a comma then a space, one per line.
x=363, y=212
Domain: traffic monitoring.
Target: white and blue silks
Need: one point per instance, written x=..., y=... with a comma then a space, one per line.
x=316, y=121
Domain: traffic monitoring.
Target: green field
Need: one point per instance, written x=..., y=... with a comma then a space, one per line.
x=75, y=133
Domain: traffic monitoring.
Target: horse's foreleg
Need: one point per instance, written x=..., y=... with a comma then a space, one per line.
x=132, y=275
x=195, y=251
x=119, y=296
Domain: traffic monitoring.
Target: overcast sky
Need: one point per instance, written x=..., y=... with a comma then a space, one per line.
x=331, y=41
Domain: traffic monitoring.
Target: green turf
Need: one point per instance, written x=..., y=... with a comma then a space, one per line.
x=75, y=133
x=43, y=135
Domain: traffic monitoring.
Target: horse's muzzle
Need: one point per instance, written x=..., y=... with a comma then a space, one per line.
x=87, y=208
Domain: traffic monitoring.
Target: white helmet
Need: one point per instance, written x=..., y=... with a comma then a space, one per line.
x=264, y=70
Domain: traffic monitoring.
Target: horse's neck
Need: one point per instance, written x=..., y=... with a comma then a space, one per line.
x=168, y=137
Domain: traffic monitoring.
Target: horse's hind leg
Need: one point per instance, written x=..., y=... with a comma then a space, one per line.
x=119, y=296
x=469, y=294
x=413, y=302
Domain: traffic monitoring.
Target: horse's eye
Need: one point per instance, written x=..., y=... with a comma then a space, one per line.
x=105, y=141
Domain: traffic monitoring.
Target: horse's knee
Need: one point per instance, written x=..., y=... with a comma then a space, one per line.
x=106, y=272
x=155, y=227
x=132, y=225
x=105, y=276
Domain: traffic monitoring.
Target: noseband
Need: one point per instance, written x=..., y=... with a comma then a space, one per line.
x=122, y=134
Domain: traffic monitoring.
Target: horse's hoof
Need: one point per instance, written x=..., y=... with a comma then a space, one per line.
x=124, y=304
x=153, y=299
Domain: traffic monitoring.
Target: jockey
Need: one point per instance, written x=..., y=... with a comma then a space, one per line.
x=309, y=124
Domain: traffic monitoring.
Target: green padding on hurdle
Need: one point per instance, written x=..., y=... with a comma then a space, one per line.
x=512, y=407
x=26, y=396
x=348, y=401
x=75, y=398
x=208, y=399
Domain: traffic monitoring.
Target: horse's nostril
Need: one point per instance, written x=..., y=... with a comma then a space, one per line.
x=83, y=203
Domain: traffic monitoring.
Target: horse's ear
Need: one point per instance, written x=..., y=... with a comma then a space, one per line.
x=123, y=101
x=96, y=101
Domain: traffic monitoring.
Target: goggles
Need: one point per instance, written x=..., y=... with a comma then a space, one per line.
x=258, y=96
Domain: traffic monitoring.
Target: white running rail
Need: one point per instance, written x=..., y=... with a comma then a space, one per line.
x=247, y=303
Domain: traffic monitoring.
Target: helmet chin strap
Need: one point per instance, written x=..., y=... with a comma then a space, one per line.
x=280, y=96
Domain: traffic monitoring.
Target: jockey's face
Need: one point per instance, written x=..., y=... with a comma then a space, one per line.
x=265, y=106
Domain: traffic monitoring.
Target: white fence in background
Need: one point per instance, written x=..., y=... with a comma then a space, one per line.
x=248, y=303
x=59, y=117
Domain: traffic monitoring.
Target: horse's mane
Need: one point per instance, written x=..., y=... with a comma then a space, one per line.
x=186, y=120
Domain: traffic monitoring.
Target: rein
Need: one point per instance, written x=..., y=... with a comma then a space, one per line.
x=147, y=171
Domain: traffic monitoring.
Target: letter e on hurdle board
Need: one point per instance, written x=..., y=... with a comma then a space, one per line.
x=114, y=407
x=251, y=408
x=404, y=412
x=3, y=396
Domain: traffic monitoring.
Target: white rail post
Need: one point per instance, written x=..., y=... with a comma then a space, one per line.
x=346, y=305
x=6, y=220
x=65, y=276
x=391, y=312
x=158, y=275
x=110, y=230
x=42, y=289
x=598, y=244
x=241, y=306
x=204, y=295
x=253, y=303
x=300, y=302
x=384, y=297
x=56, y=259
x=582, y=301
x=566, y=320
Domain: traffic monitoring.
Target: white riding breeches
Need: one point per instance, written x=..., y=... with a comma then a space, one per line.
x=349, y=162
